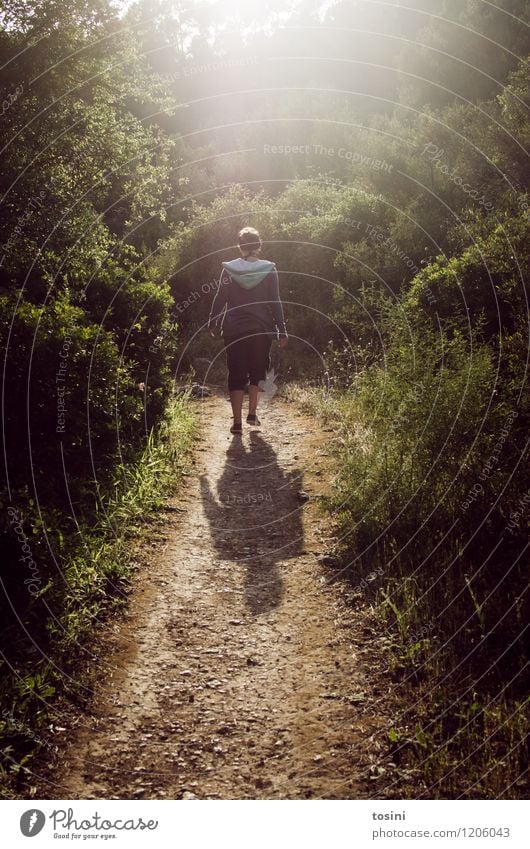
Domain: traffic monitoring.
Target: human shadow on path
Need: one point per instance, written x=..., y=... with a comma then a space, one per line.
x=255, y=517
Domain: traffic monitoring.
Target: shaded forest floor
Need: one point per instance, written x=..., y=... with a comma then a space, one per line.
x=238, y=670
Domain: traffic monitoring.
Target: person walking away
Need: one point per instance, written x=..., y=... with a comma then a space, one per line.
x=248, y=313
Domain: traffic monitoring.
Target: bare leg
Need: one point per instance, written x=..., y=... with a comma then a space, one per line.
x=236, y=399
x=253, y=392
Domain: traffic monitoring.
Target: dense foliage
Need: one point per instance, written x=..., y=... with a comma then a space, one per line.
x=382, y=151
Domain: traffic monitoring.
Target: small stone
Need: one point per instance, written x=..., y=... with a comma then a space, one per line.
x=302, y=495
x=198, y=391
x=330, y=560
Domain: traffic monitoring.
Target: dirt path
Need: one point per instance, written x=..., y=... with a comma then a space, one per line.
x=237, y=671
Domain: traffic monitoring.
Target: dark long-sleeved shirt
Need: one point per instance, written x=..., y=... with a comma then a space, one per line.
x=247, y=299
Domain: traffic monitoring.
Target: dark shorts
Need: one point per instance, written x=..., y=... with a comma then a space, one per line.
x=247, y=359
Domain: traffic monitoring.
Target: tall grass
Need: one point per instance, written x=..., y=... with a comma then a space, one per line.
x=53, y=659
x=431, y=489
